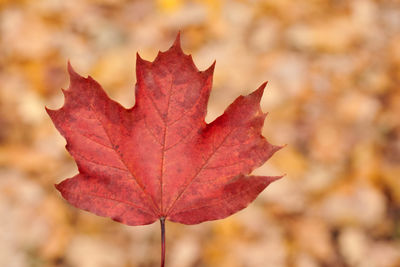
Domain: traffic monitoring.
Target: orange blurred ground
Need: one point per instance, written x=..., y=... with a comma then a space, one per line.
x=333, y=95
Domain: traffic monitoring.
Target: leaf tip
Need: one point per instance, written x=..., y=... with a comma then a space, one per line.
x=72, y=73
x=259, y=92
x=58, y=186
x=275, y=178
x=50, y=112
x=138, y=57
x=177, y=44
x=277, y=148
x=262, y=87
x=70, y=68
x=211, y=68
x=177, y=41
x=282, y=146
x=140, y=64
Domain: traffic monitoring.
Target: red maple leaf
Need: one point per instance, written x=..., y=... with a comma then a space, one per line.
x=159, y=159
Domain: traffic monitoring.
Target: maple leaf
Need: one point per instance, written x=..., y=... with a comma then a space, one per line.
x=160, y=159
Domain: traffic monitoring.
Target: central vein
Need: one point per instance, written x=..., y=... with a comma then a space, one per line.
x=163, y=148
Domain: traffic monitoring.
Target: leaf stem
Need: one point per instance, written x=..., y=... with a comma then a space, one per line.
x=162, y=222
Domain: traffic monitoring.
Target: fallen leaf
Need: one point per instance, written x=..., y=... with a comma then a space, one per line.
x=159, y=159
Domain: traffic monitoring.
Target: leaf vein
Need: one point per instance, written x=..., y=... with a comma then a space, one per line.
x=186, y=112
x=241, y=192
x=182, y=139
x=94, y=141
x=198, y=172
x=128, y=203
x=155, y=107
x=124, y=163
x=151, y=133
x=163, y=149
x=98, y=163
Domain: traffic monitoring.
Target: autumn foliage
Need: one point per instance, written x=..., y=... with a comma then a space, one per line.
x=160, y=159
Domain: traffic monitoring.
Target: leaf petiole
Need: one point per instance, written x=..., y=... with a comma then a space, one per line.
x=162, y=222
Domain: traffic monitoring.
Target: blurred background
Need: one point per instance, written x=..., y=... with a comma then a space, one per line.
x=333, y=96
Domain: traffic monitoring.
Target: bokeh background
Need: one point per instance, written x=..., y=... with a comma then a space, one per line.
x=333, y=95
